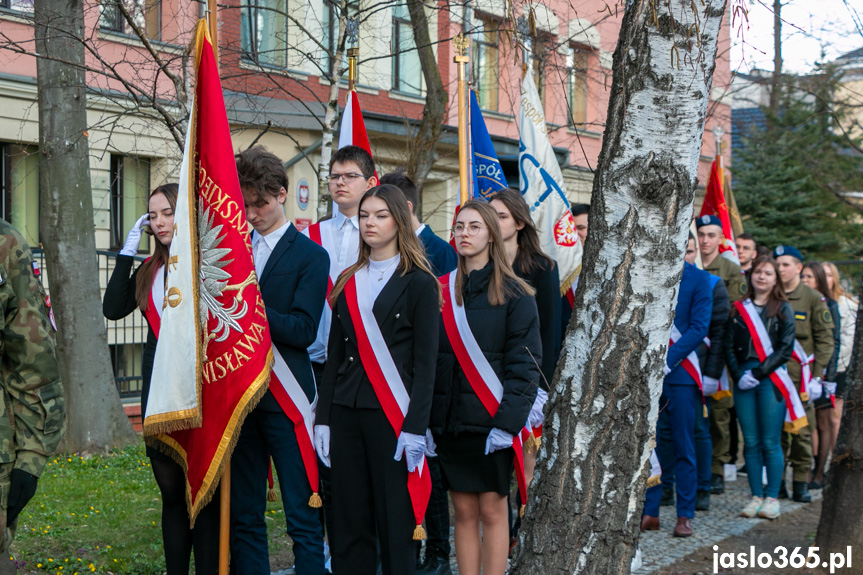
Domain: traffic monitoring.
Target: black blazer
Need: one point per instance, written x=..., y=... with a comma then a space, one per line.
x=408, y=313
x=294, y=287
x=509, y=337
x=712, y=360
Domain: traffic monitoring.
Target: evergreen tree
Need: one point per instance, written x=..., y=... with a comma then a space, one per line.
x=789, y=177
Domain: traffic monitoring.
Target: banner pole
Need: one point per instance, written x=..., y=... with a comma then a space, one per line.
x=224, y=519
x=213, y=22
x=460, y=43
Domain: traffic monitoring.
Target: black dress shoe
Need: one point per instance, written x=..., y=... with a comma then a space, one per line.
x=801, y=492
x=717, y=484
x=702, y=500
x=667, y=497
x=816, y=485
x=783, y=491
x=434, y=566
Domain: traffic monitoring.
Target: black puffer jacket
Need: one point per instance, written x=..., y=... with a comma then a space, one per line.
x=739, y=348
x=712, y=359
x=508, y=335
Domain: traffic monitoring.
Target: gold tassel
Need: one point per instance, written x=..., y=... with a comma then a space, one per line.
x=804, y=396
x=272, y=495
x=315, y=501
x=705, y=410
x=521, y=511
x=419, y=533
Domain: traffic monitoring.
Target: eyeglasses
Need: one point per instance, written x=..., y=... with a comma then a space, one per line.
x=333, y=178
x=470, y=230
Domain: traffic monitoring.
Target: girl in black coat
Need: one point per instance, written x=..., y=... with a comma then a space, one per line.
x=127, y=291
x=521, y=242
x=759, y=403
x=474, y=447
x=354, y=433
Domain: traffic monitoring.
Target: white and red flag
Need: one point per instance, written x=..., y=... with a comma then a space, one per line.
x=352, y=131
x=715, y=205
x=214, y=352
x=541, y=184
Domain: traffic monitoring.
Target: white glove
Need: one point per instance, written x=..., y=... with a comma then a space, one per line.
x=497, y=439
x=709, y=385
x=322, y=443
x=830, y=388
x=747, y=381
x=431, y=446
x=133, y=240
x=535, y=417
x=413, y=447
x=815, y=388
x=667, y=370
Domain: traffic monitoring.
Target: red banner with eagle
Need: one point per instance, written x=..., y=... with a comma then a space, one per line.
x=214, y=353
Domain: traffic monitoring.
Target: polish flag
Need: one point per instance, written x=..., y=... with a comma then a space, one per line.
x=353, y=129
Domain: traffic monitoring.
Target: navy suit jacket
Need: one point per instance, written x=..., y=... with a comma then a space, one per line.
x=441, y=255
x=692, y=318
x=294, y=286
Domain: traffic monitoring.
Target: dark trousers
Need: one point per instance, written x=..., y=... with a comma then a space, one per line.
x=652, y=498
x=703, y=449
x=266, y=434
x=370, y=496
x=437, y=515
x=326, y=513
x=678, y=406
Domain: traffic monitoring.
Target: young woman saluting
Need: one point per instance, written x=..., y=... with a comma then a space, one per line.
x=144, y=289
x=375, y=396
x=487, y=377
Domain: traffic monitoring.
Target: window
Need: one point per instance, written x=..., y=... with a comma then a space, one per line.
x=486, y=72
x=147, y=15
x=577, y=85
x=19, y=189
x=130, y=190
x=407, y=72
x=264, y=31
x=18, y=5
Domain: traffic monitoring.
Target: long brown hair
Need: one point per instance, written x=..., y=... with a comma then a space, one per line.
x=503, y=281
x=529, y=253
x=776, y=295
x=411, y=252
x=144, y=281
x=837, y=291
x=820, y=279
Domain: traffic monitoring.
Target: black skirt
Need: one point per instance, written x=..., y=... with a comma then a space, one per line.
x=466, y=468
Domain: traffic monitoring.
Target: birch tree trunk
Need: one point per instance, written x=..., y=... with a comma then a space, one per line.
x=841, y=522
x=95, y=417
x=424, y=144
x=585, y=503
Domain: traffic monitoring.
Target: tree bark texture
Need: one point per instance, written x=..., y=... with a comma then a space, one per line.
x=841, y=521
x=423, y=147
x=95, y=417
x=585, y=503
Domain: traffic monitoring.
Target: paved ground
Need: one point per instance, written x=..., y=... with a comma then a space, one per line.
x=659, y=549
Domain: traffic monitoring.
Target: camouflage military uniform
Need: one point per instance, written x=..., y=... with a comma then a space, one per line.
x=814, y=326
x=32, y=413
x=720, y=415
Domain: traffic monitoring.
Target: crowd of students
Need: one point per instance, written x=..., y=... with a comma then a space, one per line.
x=763, y=346
x=426, y=363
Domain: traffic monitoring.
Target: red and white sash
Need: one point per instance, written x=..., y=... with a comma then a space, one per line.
x=481, y=376
x=157, y=298
x=324, y=238
x=805, y=360
x=795, y=416
x=386, y=381
x=691, y=364
x=294, y=402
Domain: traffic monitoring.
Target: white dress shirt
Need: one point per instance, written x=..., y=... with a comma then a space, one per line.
x=380, y=273
x=346, y=239
x=263, y=246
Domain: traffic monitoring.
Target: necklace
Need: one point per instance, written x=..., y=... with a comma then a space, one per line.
x=383, y=272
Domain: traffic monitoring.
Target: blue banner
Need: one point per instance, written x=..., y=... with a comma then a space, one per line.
x=488, y=176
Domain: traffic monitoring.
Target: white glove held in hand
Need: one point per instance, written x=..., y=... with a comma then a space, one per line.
x=431, y=446
x=829, y=388
x=497, y=439
x=709, y=386
x=747, y=381
x=815, y=388
x=322, y=443
x=535, y=417
x=413, y=447
x=130, y=248
x=667, y=370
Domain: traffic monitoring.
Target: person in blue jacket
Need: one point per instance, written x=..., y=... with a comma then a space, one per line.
x=680, y=402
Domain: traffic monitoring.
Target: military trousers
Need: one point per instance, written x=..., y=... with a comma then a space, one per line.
x=720, y=433
x=797, y=447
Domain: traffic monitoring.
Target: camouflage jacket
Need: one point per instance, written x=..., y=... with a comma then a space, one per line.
x=33, y=412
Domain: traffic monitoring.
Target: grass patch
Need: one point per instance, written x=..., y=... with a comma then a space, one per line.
x=102, y=514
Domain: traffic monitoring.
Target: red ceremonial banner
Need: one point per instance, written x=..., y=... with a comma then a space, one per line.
x=235, y=340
